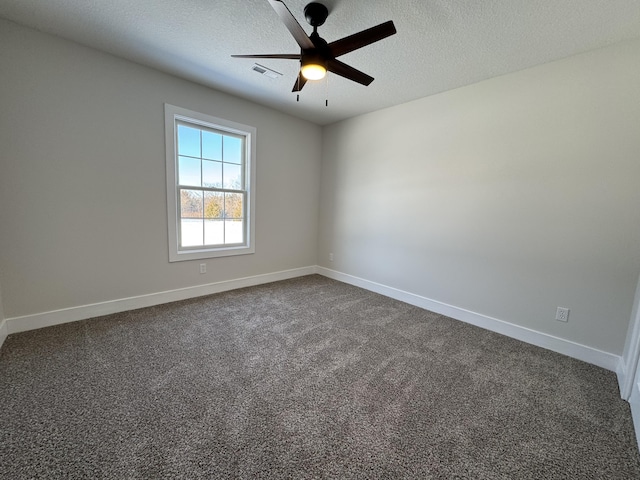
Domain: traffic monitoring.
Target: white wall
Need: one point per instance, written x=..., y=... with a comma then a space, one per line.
x=82, y=178
x=507, y=198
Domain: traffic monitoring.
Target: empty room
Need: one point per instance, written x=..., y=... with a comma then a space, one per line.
x=338, y=239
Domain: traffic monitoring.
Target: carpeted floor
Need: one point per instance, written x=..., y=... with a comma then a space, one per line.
x=306, y=378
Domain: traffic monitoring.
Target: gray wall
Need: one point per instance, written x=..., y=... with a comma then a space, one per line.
x=82, y=178
x=507, y=198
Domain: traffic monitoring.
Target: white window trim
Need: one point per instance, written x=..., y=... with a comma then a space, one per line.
x=171, y=114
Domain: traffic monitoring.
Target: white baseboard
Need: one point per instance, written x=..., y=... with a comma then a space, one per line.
x=591, y=355
x=47, y=319
x=635, y=415
x=634, y=402
x=4, y=331
x=621, y=373
x=581, y=352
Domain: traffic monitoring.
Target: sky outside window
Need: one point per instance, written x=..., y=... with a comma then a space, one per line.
x=209, y=159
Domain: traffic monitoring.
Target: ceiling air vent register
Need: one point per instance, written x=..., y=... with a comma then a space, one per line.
x=267, y=72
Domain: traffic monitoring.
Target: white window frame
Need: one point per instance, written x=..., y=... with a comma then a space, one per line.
x=173, y=115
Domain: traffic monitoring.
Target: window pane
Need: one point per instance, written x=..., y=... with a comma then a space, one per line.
x=232, y=149
x=188, y=141
x=191, y=204
x=233, y=205
x=189, y=171
x=191, y=232
x=233, y=231
x=211, y=145
x=213, y=204
x=232, y=177
x=214, y=232
x=212, y=174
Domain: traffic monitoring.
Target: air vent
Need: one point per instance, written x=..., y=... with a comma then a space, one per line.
x=267, y=72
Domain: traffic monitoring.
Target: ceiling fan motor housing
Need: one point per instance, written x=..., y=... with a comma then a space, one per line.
x=316, y=14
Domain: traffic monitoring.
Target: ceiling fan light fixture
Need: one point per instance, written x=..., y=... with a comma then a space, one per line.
x=313, y=71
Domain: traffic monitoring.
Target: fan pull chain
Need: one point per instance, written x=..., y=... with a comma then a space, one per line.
x=326, y=101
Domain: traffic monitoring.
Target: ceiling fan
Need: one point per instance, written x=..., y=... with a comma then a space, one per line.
x=316, y=55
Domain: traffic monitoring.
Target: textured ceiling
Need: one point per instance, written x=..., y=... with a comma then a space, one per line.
x=440, y=44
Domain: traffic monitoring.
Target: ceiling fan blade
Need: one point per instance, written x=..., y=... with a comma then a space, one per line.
x=285, y=56
x=362, y=39
x=344, y=70
x=292, y=24
x=300, y=81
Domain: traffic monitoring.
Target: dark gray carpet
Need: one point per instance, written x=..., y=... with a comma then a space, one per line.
x=306, y=378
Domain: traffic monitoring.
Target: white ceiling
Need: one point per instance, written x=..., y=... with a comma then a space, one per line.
x=440, y=44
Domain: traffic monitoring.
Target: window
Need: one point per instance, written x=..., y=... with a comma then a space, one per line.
x=210, y=175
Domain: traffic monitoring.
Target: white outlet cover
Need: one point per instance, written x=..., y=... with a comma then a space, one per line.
x=562, y=314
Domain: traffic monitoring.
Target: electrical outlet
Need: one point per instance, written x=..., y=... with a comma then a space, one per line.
x=562, y=314
x=331, y=257
x=203, y=268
